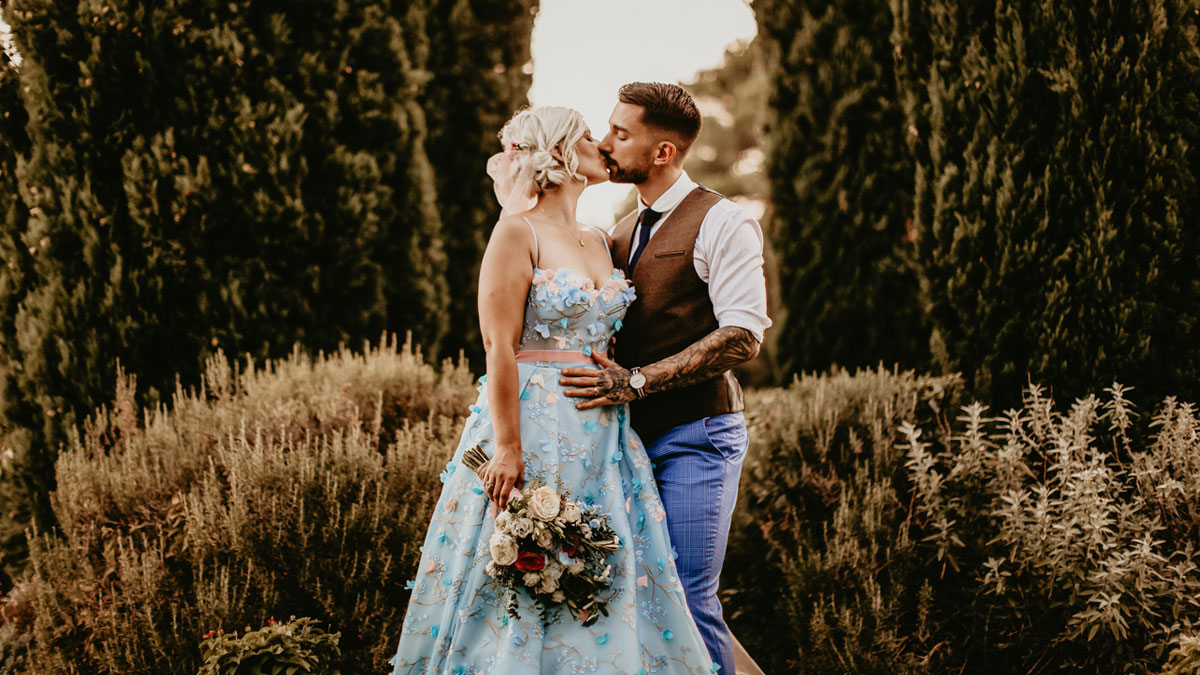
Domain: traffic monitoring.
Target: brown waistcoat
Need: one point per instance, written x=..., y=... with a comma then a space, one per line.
x=671, y=312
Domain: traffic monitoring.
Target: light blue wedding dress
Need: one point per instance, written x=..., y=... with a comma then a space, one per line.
x=455, y=623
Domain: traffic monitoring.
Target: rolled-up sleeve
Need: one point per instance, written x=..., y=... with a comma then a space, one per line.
x=729, y=256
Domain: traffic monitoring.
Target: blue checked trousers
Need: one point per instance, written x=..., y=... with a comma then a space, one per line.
x=697, y=466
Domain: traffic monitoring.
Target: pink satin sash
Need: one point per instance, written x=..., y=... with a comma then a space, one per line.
x=555, y=355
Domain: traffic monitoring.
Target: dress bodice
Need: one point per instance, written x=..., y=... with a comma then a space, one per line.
x=565, y=311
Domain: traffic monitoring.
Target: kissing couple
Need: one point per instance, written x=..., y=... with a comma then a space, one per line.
x=653, y=447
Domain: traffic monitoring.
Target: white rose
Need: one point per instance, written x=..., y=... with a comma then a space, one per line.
x=549, y=584
x=532, y=579
x=570, y=512
x=503, y=521
x=544, y=538
x=545, y=503
x=554, y=569
x=521, y=527
x=503, y=549
x=576, y=567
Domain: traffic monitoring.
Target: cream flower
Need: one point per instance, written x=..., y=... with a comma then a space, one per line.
x=503, y=520
x=532, y=579
x=544, y=538
x=503, y=548
x=554, y=569
x=558, y=596
x=576, y=567
x=570, y=512
x=549, y=584
x=545, y=503
x=521, y=527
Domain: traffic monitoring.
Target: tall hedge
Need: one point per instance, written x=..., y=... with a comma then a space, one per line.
x=841, y=187
x=15, y=268
x=200, y=175
x=479, y=53
x=1057, y=150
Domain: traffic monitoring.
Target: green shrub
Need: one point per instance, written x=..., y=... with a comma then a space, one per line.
x=820, y=541
x=297, y=646
x=1078, y=547
x=302, y=487
x=890, y=541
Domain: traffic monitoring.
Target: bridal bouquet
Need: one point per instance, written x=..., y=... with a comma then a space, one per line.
x=554, y=548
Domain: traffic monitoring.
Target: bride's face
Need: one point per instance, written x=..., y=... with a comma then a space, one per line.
x=591, y=163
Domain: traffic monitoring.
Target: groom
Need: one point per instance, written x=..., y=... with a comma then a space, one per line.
x=696, y=261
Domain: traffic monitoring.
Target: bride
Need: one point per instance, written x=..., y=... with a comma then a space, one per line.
x=549, y=298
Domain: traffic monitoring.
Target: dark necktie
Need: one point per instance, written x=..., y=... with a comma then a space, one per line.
x=646, y=220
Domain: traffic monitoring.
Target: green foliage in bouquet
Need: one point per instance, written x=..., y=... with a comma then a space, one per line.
x=302, y=486
x=292, y=648
x=841, y=184
x=235, y=175
x=1057, y=190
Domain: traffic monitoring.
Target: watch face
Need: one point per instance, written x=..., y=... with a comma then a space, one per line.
x=637, y=380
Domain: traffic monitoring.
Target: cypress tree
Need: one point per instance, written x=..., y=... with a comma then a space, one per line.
x=479, y=76
x=16, y=266
x=841, y=188
x=1057, y=190
x=201, y=175
x=729, y=157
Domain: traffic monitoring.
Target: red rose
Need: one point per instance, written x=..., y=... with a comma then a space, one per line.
x=531, y=562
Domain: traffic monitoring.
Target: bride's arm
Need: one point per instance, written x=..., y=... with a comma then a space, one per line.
x=504, y=279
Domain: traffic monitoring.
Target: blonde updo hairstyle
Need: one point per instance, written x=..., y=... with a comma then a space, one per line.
x=542, y=141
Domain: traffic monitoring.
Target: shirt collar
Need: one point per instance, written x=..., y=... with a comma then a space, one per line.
x=668, y=200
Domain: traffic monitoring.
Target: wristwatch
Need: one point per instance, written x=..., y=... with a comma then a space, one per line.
x=637, y=380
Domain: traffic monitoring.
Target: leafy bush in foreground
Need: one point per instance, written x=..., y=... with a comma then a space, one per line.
x=299, y=488
x=275, y=649
x=820, y=542
x=1039, y=541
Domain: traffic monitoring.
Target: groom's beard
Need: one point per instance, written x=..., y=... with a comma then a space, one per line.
x=627, y=174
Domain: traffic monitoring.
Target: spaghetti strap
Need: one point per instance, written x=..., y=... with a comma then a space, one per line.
x=535, y=244
x=607, y=243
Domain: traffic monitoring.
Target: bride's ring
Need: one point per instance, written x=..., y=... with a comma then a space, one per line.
x=487, y=485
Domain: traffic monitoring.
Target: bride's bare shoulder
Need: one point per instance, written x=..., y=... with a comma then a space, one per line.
x=512, y=235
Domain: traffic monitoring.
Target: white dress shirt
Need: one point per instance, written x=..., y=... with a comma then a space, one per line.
x=728, y=257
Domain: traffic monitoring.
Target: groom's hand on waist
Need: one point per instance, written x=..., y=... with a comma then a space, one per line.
x=609, y=386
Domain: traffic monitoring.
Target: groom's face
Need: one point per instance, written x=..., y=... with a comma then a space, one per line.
x=630, y=147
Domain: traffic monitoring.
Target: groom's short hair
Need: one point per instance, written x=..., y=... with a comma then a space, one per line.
x=668, y=107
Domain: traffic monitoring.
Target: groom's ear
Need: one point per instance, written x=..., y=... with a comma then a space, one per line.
x=665, y=153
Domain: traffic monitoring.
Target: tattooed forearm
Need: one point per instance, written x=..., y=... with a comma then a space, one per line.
x=708, y=357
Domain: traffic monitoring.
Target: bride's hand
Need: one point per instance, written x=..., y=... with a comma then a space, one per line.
x=505, y=472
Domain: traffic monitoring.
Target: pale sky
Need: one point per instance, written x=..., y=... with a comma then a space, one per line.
x=584, y=50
